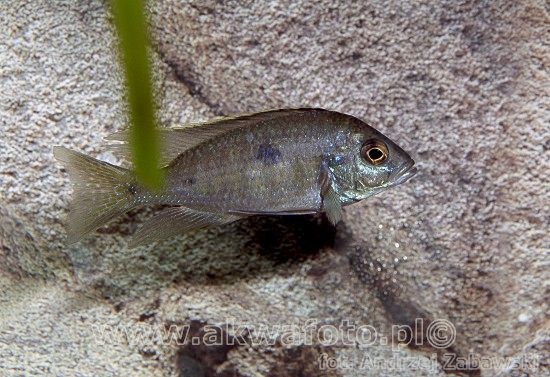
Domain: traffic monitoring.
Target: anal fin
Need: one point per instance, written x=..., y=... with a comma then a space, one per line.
x=175, y=221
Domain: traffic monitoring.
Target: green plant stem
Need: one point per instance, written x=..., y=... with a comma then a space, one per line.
x=133, y=41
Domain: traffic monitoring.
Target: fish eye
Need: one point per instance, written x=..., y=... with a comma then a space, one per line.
x=374, y=152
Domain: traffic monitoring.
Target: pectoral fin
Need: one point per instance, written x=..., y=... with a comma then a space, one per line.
x=332, y=206
x=330, y=200
x=175, y=221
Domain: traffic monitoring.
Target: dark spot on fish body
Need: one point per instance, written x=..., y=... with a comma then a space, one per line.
x=268, y=154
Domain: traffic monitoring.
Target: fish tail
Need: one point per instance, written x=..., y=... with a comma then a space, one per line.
x=101, y=192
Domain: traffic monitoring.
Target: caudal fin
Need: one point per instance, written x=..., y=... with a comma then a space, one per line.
x=101, y=192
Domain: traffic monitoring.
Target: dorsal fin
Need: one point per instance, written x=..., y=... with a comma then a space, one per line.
x=175, y=140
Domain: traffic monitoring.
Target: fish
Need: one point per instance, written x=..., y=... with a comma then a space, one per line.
x=277, y=162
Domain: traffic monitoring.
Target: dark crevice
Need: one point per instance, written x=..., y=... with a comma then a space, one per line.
x=402, y=311
x=187, y=77
x=195, y=358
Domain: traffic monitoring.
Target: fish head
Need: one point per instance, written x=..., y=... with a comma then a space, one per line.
x=375, y=164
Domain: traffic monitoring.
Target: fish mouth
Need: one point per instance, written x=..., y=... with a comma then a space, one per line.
x=405, y=173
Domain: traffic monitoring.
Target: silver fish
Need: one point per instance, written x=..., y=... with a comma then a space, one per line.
x=280, y=162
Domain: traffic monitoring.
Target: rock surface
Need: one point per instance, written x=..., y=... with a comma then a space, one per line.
x=464, y=86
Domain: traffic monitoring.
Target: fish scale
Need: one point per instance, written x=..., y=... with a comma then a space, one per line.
x=239, y=181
